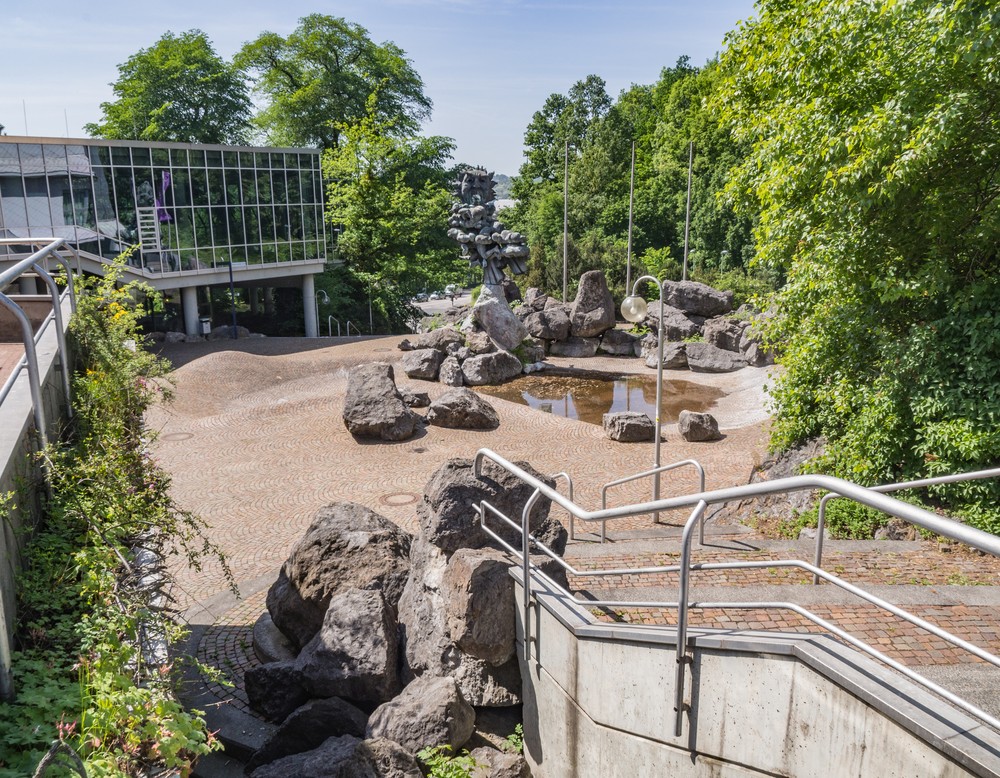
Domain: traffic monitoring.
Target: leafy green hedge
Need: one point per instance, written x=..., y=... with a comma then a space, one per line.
x=84, y=671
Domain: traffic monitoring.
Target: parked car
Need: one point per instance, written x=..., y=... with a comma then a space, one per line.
x=436, y=295
x=420, y=297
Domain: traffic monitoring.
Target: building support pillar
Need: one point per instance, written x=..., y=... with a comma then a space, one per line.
x=253, y=293
x=189, y=302
x=269, y=300
x=309, y=305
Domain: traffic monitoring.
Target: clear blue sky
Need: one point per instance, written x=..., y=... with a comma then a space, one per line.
x=487, y=66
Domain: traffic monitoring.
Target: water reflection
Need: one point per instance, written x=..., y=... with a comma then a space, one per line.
x=588, y=397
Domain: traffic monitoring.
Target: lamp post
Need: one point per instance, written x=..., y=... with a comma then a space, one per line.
x=232, y=298
x=321, y=295
x=634, y=309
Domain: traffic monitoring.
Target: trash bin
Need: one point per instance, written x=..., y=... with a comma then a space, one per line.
x=206, y=325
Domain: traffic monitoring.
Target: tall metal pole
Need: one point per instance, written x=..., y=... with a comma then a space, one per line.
x=232, y=297
x=687, y=218
x=566, y=223
x=631, y=201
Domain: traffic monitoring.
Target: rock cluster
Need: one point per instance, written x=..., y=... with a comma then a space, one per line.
x=690, y=310
x=389, y=643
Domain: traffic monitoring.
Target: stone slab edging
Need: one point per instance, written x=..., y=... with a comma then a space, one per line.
x=953, y=733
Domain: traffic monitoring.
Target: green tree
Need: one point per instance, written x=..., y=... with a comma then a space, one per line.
x=390, y=197
x=874, y=168
x=323, y=75
x=180, y=90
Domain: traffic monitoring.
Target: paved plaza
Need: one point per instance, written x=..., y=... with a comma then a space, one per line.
x=255, y=443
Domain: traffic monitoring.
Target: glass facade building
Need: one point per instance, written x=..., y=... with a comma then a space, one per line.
x=187, y=207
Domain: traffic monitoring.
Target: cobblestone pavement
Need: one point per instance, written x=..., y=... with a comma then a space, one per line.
x=255, y=443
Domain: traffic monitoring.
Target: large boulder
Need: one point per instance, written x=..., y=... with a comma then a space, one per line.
x=450, y=373
x=307, y=728
x=696, y=427
x=594, y=308
x=575, y=347
x=441, y=339
x=429, y=650
x=478, y=594
x=392, y=760
x=462, y=409
x=618, y=343
x=494, y=316
x=373, y=407
x=490, y=369
x=724, y=333
x=628, y=426
x=347, y=546
x=493, y=763
x=752, y=349
x=699, y=299
x=275, y=690
x=548, y=323
x=337, y=757
x=448, y=518
x=676, y=325
x=354, y=654
x=422, y=363
x=429, y=712
x=674, y=356
x=706, y=358
x=535, y=299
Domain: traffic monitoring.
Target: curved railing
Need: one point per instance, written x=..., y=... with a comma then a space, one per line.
x=699, y=502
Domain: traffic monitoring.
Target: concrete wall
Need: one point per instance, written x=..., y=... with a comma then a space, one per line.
x=37, y=307
x=18, y=474
x=598, y=701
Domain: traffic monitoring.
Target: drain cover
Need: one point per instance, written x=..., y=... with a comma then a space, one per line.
x=177, y=436
x=399, y=498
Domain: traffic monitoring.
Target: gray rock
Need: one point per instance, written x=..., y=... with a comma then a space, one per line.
x=575, y=347
x=724, y=333
x=275, y=690
x=493, y=763
x=174, y=337
x=700, y=299
x=490, y=369
x=695, y=427
x=346, y=546
x=429, y=712
x=479, y=343
x=676, y=325
x=535, y=299
x=552, y=302
x=428, y=648
x=225, y=332
x=308, y=727
x=594, y=308
x=337, y=757
x=193, y=339
x=448, y=520
x=618, y=343
x=439, y=338
x=415, y=399
x=628, y=426
x=549, y=323
x=495, y=317
x=674, y=356
x=269, y=643
x=706, y=358
x=757, y=356
x=373, y=407
x=450, y=373
x=422, y=363
x=478, y=594
x=354, y=654
x=392, y=760
x=462, y=409
x=532, y=350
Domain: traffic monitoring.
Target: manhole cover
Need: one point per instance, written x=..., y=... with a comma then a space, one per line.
x=177, y=436
x=381, y=349
x=418, y=450
x=399, y=498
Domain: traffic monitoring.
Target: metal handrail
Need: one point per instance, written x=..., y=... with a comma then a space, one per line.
x=329, y=325
x=569, y=485
x=955, y=478
x=348, y=328
x=976, y=538
x=645, y=474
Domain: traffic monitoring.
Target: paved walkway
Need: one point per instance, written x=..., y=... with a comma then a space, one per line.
x=255, y=444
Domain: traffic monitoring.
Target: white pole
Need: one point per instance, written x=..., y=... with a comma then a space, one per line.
x=687, y=218
x=566, y=223
x=631, y=200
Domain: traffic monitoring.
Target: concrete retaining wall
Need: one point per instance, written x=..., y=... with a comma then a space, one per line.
x=598, y=701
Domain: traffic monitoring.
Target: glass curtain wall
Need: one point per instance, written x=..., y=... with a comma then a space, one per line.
x=183, y=207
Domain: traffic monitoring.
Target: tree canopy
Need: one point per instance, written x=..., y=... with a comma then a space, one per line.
x=180, y=90
x=321, y=77
x=874, y=162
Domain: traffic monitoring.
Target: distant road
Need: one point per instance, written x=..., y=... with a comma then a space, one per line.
x=440, y=306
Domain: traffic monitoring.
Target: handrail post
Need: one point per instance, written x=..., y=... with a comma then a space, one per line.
x=682, y=614
x=31, y=357
x=60, y=333
x=526, y=571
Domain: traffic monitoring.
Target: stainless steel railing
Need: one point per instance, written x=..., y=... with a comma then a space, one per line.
x=656, y=471
x=699, y=501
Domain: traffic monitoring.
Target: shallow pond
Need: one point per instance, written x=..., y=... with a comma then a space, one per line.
x=587, y=397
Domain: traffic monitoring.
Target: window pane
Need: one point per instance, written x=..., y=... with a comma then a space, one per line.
x=161, y=157
x=179, y=157
x=216, y=187
x=12, y=201
x=141, y=156
x=230, y=159
x=120, y=156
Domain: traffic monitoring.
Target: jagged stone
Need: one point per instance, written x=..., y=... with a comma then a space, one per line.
x=429, y=712
x=676, y=325
x=450, y=373
x=706, y=358
x=415, y=399
x=346, y=546
x=439, y=339
x=373, y=407
x=495, y=317
x=674, y=356
x=628, y=426
x=275, y=690
x=698, y=426
x=549, y=323
x=337, y=757
x=593, y=310
x=574, y=347
x=478, y=594
x=696, y=298
x=493, y=763
x=269, y=643
x=490, y=369
x=618, y=343
x=479, y=343
x=462, y=409
x=724, y=333
x=392, y=760
x=422, y=363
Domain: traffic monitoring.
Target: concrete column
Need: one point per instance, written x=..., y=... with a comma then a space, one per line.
x=309, y=304
x=253, y=293
x=189, y=302
x=269, y=300
x=26, y=285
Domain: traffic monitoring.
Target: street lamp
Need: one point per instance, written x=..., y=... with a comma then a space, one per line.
x=321, y=295
x=634, y=309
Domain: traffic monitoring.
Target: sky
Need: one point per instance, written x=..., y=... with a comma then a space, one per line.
x=487, y=66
